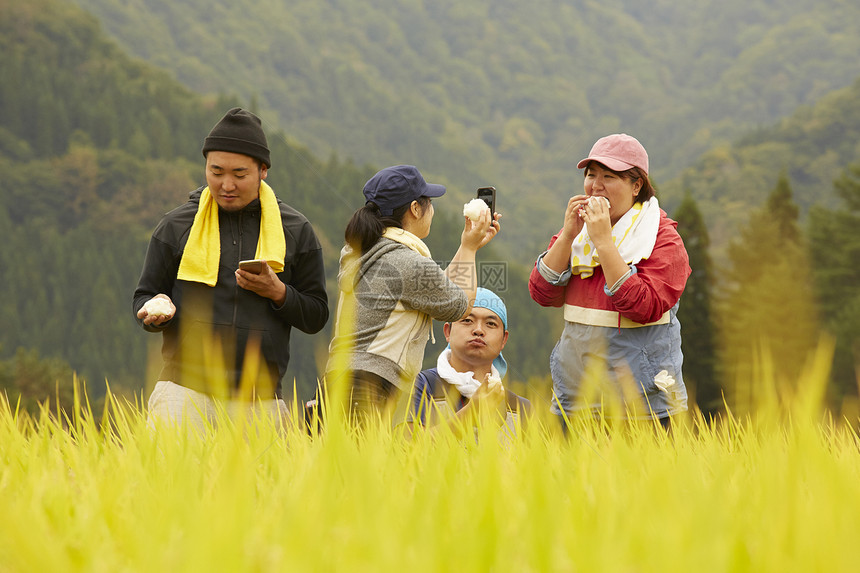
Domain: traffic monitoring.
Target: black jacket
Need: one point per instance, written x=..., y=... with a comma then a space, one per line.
x=225, y=317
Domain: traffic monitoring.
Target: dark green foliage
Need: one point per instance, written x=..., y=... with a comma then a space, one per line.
x=60, y=74
x=30, y=382
x=834, y=243
x=698, y=327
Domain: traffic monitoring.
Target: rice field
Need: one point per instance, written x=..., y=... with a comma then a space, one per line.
x=777, y=489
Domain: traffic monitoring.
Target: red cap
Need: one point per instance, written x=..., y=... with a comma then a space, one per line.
x=619, y=152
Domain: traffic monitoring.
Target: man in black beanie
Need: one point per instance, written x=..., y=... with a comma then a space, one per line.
x=225, y=329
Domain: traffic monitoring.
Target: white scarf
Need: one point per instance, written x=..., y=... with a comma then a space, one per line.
x=464, y=381
x=634, y=235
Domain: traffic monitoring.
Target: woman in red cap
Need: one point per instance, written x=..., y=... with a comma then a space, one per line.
x=618, y=268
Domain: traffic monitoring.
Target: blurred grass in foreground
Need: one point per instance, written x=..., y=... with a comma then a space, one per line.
x=775, y=490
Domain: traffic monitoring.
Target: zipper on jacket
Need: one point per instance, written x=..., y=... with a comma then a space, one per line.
x=236, y=297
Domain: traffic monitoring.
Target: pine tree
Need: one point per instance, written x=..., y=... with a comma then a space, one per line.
x=698, y=330
x=768, y=309
x=835, y=249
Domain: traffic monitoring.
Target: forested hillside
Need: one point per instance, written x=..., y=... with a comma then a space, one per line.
x=502, y=91
x=812, y=147
x=95, y=147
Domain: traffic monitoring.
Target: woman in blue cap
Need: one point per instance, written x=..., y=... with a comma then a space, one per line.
x=391, y=289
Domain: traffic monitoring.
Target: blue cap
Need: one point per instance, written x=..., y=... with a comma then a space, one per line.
x=397, y=186
x=486, y=298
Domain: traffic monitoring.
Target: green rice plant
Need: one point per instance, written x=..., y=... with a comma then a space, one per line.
x=772, y=490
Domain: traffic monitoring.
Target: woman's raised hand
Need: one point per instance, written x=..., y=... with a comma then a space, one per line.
x=478, y=233
x=573, y=222
x=595, y=213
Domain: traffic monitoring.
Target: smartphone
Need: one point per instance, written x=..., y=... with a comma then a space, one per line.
x=488, y=194
x=252, y=266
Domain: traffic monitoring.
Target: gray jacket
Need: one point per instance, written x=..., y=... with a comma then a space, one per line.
x=389, y=296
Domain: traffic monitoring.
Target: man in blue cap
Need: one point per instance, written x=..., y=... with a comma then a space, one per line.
x=469, y=372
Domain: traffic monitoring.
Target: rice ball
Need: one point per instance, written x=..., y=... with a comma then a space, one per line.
x=581, y=211
x=158, y=306
x=493, y=381
x=474, y=208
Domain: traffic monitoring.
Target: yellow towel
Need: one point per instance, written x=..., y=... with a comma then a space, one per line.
x=406, y=238
x=203, y=251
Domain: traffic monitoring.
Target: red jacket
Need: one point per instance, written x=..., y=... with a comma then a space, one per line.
x=643, y=298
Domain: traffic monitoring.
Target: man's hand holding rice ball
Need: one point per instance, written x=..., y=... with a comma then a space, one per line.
x=157, y=310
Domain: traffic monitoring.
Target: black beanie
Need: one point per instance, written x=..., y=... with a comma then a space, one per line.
x=239, y=131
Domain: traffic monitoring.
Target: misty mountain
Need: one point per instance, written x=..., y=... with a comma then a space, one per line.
x=503, y=92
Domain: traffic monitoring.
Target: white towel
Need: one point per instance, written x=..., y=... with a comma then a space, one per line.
x=634, y=235
x=464, y=381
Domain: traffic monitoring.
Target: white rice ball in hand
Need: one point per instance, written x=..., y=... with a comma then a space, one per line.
x=474, y=208
x=158, y=306
x=588, y=202
x=494, y=382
